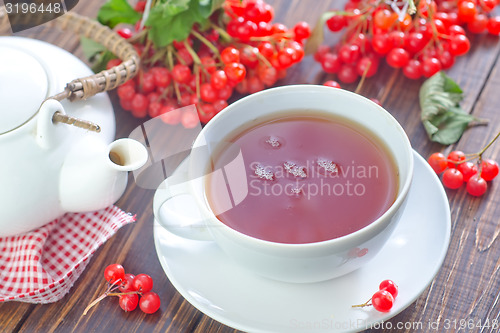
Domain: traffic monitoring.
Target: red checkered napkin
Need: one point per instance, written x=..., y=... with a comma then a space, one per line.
x=41, y=266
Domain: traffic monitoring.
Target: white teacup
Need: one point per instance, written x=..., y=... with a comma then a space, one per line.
x=310, y=262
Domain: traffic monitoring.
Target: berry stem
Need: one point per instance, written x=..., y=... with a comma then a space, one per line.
x=97, y=300
x=206, y=42
x=193, y=54
x=367, y=303
x=221, y=32
x=170, y=61
x=488, y=145
x=360, y=84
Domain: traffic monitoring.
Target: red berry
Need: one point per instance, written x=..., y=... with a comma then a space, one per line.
x=127, y=283
x=390, y=286
x=331, y=83
x=453, y=179
x=478, y=24
x=286, y=57
x=438, y=162
x=235, y=72
x=190, y=119
x=302, y=30
x=140, y=105
x=384, y=19
x=477, y=186
x=114, y=273
x=467, y=11
x=161, y=76
x=149, y=302
x=170, y=115
x=468, y=169
x=113, y=62
x=208, y=93
x=128, y=302
x=230, y=54
x=493, y=25
x=331, y=63
x=349, y=53
x=430, y=66
x=181, y=73
x=398, y=57
x=220, y=105
x=382, y=300
x=489, y=169
x=142, y=283
x=367, y=66
x=336, y=23
x=218, y=80
x=206, y=112
x=126, y=92
x=459, y=45
x=413, y=70
x=381, y=43
x=454, y=157
x=347, y=73
x=124, y=33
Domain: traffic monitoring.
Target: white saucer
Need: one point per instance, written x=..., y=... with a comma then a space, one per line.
x=230, y=294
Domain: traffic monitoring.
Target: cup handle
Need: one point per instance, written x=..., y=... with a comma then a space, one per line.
x=174, y=209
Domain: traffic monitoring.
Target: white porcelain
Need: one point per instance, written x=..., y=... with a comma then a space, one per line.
x=49, y=169
x=310, y=262
x=217, y=286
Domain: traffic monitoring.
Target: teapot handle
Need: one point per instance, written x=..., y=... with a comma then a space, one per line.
x=86, y=87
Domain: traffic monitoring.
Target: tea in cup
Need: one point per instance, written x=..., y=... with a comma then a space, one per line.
x=298, y=183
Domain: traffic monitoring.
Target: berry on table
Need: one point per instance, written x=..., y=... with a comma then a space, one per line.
x=489, y=169
x=134, y=290
x=438, y=162
x=149, y=302
x=452, y=178
x=455, y=157
x=476, y=186
x=143, y=283
x=114, y=274
x=128, y=302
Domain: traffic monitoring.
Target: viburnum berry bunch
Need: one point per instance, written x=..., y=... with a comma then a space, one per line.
x=134, y=290
x=421, y=39
x=383, y=299
x=472, y=169
x=237, y=47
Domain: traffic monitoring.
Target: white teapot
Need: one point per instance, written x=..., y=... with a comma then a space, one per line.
x=47, y=167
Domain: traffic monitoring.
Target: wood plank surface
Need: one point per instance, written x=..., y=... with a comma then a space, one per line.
x=467, y=287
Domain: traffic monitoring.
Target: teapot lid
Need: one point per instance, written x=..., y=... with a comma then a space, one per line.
x=24, y=85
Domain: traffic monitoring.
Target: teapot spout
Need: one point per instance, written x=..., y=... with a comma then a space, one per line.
x=95, y=176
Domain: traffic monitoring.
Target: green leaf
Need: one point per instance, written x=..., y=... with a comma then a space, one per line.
x=114, y=12
x=91, y=48
x=207, y=7
x=442, y=117
x=101, y=61
x=96, y=53
x=171, y=20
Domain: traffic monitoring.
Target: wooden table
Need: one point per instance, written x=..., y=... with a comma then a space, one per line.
x=467, y=287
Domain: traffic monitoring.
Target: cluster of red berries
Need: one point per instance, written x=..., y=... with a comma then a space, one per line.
x=246, y=54
x=383, y=299
x=421, y=44
x=458, y=168
x=134, y=290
